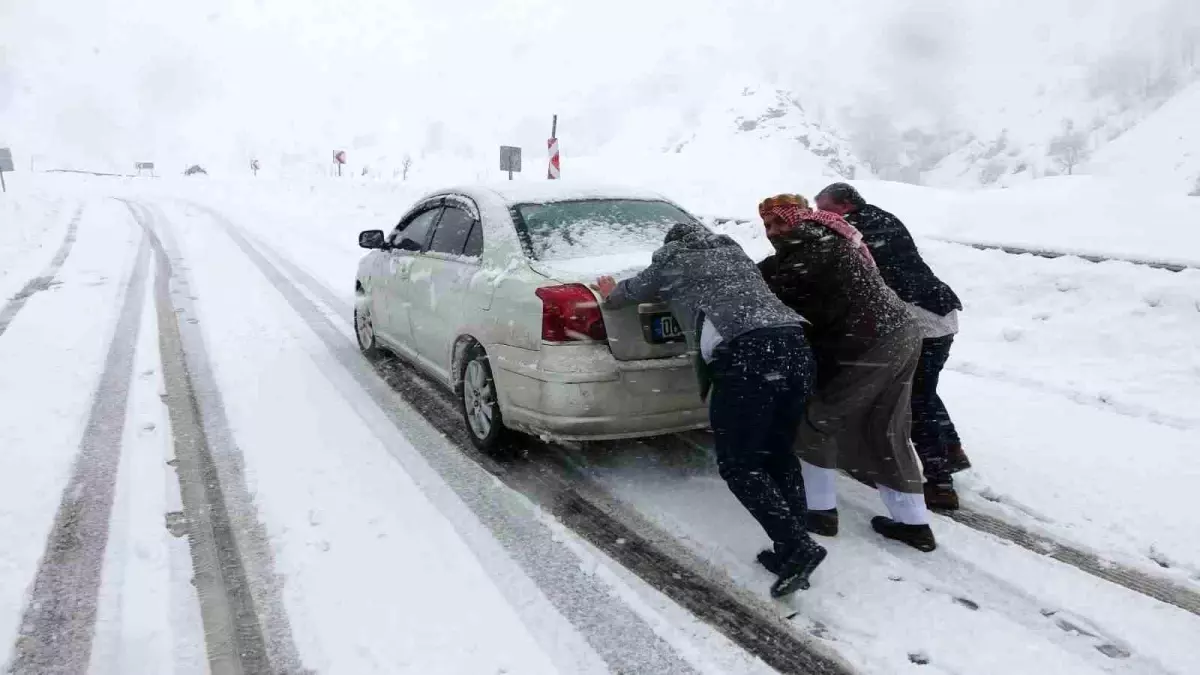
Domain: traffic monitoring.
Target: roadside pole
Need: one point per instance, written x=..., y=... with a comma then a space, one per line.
x=554, y=170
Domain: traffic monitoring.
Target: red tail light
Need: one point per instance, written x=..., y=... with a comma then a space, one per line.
x=569, y=313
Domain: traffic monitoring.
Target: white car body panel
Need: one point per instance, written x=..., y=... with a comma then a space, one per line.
x=431, y=303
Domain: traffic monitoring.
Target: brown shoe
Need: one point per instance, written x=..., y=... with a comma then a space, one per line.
x=941, y=497
x=956, y=459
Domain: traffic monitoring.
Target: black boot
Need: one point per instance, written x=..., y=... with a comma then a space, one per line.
x=940, y=496
x=919, y=537
x=794, y=572
x=771, y=560
x=824, y=523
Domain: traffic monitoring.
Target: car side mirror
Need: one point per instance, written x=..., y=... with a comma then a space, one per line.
x=372, y=239
x=407, y=244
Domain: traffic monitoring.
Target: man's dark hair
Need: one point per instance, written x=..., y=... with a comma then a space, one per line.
x=842, y=193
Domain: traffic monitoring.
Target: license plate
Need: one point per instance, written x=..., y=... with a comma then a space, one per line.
x=664, y=328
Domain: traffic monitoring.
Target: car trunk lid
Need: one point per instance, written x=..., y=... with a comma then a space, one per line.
x=644, y=331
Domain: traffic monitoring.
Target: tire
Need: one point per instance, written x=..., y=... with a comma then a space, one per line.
x=364, y=328
x=478, y=402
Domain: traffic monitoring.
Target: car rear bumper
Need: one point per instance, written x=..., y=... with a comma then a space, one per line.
x=580, y=392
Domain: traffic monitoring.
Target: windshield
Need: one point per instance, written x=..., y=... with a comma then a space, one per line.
x=580, y=229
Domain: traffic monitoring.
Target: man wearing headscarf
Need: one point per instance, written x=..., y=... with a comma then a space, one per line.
x=751, y=349
x=866, y=345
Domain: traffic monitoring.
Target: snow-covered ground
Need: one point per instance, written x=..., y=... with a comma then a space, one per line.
x=51, y=355
x=1110, y=344
x=35, y=223
x=1072, y=384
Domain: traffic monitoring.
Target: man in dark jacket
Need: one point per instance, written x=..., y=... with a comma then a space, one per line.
x=935, y=306
x=761, y=371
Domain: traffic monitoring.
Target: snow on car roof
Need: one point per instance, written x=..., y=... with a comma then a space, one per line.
x=557, y=191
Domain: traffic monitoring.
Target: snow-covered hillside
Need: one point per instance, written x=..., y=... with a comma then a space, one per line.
x=1164, y=149
x=924, y=91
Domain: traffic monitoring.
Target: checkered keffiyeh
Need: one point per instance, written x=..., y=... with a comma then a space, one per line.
x=798, y=212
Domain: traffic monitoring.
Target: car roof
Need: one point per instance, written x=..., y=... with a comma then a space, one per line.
x=523, y=192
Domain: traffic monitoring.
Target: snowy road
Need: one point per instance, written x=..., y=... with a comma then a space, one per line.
x=191, y=371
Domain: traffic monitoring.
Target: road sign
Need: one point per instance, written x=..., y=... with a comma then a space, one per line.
x=254, y=166
x=339, y=156
x=148, y=166
x=510, y=160
x=6, y=164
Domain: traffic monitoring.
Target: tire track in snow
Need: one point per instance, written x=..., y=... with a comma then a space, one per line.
x=760, y=632
x=55, y=636
x=1071, y=632
x=43, y=280
x=978, y=589
x=1162, y=590
x=235, y=603
x=1150, y=586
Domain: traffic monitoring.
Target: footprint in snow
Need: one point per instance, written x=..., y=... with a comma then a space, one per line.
x=919, y=658
x=1159, y=558
x=968, y=603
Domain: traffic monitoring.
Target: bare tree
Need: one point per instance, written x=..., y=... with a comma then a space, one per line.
x=405, y=165
x=1196, y=190
x=1070, y=148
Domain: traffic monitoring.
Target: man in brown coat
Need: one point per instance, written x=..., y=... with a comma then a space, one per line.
x=935, y=306
x=866, y=345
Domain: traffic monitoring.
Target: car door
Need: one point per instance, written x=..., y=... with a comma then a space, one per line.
x=393, y=305
x=439, y=282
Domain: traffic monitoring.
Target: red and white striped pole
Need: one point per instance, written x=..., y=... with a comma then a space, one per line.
x=555, y=170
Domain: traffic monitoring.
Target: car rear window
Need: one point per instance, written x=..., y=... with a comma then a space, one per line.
x=580, y=229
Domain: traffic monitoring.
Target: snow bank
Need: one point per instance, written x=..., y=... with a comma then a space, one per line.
x=1082, y=214
x=32, y=224
x=1129, y=331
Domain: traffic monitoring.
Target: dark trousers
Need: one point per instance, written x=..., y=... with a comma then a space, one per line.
x=760, y=383
x=932, y=430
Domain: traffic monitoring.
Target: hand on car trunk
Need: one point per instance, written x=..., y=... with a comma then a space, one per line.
x=605, y=285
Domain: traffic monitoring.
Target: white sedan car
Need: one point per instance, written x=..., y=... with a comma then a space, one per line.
x=488, y=290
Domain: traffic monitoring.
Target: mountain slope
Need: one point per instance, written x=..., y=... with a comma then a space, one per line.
x=1163, y=149
x=932, y=91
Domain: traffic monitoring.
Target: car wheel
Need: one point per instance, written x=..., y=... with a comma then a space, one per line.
x=479, y=403
x=364, y=327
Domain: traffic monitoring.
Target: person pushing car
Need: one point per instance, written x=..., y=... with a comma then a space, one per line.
x=753, y=355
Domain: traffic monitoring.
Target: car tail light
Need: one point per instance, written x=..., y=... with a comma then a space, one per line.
x=570, y=312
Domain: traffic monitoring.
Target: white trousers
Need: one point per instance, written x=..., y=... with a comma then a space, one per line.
x=820, y=490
